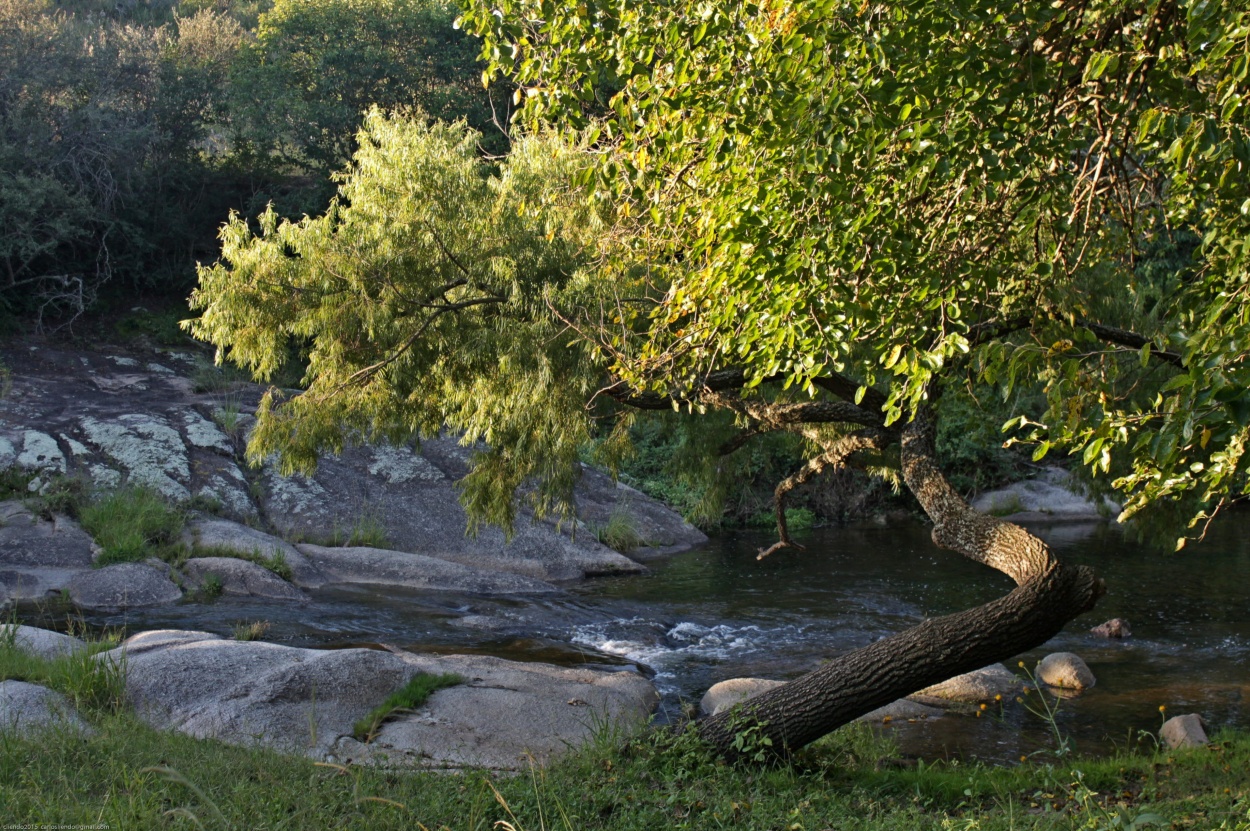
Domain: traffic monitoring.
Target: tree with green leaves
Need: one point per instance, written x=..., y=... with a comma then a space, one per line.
x=814, y=217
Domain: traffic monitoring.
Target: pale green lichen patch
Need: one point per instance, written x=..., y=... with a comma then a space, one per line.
x=400, y=465
x=147, y=448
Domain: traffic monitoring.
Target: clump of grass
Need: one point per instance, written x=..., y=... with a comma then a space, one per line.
x=620, y=533
x=89, y=683
x=15, y=483
x=207, y=377
x=368, y=532
x=211, y=586
x=275, y=562
x=410, y=696
x=229, y=416
x=253, y=631
x=132, y=524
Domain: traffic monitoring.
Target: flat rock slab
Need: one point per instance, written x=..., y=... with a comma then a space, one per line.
x=27, y=708
x=41, y=643
x=27, y=540
x=222, y=535
x=241, y=578
x=375, y=566
x=507, y=715
x=307, y=700
x=122, y=586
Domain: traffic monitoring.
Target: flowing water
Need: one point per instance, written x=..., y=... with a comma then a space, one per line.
x=717, y=613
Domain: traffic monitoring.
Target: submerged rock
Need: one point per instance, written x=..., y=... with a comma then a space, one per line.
x=1117, y=627
x=122, y=586
x=308, y=700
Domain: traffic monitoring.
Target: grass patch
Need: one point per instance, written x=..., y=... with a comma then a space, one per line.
x=132, y=524
x=620, y=533
x=410, y=696
x=253, y=631
x=208, y=377
x=91, y=685
x=140, y=778
x=211, y=587
x=368, y=532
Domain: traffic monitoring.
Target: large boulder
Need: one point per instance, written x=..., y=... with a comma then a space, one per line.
x=39, y=556
x=240, y=578
x=41, y=643
x=27, y=708
x=1052, y=496
x=308, y=700
x=220, y=537
x=1065, y=670
x=412, y=502
x=657, y=529
x=380, y=567
x=122, y=586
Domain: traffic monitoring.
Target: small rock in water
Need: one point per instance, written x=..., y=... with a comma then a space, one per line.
x=1183, y=731
x=1117, y=627
x=1065, y=670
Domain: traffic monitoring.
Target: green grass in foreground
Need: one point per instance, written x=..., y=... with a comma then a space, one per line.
x=92, y=686
x=131, y=777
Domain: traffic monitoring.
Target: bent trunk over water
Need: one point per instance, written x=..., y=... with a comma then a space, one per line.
x=1048, y=594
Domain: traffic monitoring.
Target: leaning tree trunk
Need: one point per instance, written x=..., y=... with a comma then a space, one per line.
x=1048, y=595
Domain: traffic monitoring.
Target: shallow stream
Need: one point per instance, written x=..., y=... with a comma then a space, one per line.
x=717, y=613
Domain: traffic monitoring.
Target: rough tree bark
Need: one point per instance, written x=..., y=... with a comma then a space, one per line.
x=1048, y=594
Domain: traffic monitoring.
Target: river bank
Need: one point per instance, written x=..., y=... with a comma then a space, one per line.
x=127, y=776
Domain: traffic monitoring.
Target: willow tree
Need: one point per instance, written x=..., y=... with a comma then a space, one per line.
x=815, y=216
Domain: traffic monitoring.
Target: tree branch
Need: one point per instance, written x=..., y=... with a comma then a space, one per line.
x=835, y=456
x=1132, y=340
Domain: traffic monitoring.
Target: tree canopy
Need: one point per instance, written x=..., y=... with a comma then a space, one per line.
x=820, y=218
x=798, y=202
